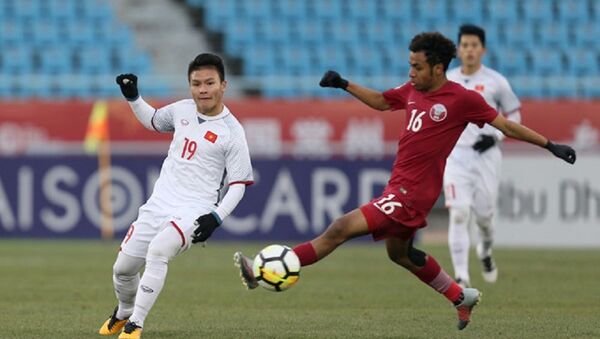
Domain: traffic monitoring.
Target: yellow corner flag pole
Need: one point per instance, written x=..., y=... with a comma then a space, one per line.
x=97, y=140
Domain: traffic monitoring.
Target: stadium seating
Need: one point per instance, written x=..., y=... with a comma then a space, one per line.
x=62, y=44
x=367, y=38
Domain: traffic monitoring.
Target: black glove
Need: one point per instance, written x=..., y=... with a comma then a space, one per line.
x=205, y=226
x=484, y=143
x=128, y=84
x=562, y=151
x=333, y=79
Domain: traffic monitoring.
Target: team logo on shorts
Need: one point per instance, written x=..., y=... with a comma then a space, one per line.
x=438, y=112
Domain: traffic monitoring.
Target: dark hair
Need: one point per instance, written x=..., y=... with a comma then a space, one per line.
x=437, y=48
x=207, y=60
x=468, y=29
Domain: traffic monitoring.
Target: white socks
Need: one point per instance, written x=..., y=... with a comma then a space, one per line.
x=126, y=277
x=459, y=242
x=150, y=286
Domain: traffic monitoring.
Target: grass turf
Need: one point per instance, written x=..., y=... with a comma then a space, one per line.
x=63, y=289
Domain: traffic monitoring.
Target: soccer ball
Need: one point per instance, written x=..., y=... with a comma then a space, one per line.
x=276, y=268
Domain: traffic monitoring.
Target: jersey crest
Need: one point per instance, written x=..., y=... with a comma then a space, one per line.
x=438, y=112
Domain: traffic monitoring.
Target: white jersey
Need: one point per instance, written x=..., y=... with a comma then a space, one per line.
x=206, y=154
x=496, y=91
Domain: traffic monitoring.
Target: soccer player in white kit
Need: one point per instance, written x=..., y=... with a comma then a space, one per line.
x=201, y=181
x=472, y=172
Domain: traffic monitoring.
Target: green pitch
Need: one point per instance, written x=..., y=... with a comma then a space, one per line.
x=63, y=289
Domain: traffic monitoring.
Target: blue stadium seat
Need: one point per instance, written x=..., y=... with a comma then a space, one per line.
x=361, y=10
x=78, y=33
x=502, y=10
x=398, y=11
x=368, y=60
x=561, y=86
x=573, y=10
x=326, y=9
x=17, y=60
x=528, y=87
x=260, y=60
x=379, y=32
x=239, y=34
x=291, y=9
x=340, y=31
x=582, y=61
x=254, y=9
x=586, y=34
x=518, y=34
x=332, y=56
x=27, y=10
x=95, y=60
x=511, y=61
x=95, y=10
x=546, y=61
x=55, y=60
x=45, y=33
x=12, y=33
x=296, y=60
x=554, y=35
x=63, y=10
x=432, y=10
x=590, y=87
x=311, y=32
x=538, y=11
x=280, y=31
x=217, y=13
x=466, y=11
x=112, y=34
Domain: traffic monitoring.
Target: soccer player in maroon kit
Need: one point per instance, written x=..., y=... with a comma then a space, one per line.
x=437, y=111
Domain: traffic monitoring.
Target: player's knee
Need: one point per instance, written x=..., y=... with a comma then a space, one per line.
x=416, y=256
x=459, y=214
x=484, y=221
x=126, y=265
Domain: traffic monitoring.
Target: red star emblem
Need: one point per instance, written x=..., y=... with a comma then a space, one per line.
x=210, y=136
x=479, y=88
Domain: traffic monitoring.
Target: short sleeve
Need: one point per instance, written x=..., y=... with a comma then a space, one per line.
x=507, y=99
x=162, y=120
x=477, y=111
x=397, y=97
x=237, y=159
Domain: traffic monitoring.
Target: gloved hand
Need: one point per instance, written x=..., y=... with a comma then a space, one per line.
x=128, y=84
x=564, y=152
x=205, y=226
x=333, y=79
x=484, y=142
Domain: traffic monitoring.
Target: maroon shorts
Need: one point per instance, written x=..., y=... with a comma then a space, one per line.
x=389, y=217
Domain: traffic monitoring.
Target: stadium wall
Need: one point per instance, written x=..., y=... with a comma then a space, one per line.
x=313, y=160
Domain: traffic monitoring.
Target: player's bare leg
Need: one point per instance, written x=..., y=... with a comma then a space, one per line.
x=348, y=226
x=484, y=249
x=426, y=268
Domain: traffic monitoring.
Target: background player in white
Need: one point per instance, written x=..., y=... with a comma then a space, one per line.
x=472, y=172
x=208, y=150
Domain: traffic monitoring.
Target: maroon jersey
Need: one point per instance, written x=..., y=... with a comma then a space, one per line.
x=434, y=122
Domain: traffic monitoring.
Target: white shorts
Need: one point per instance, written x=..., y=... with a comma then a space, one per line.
x=155, y=216
x=472, y=179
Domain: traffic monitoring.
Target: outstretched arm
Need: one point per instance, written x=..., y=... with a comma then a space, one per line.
x=515, y=130
x=372, y=98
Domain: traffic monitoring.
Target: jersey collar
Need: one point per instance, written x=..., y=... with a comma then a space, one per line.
x=225, y=112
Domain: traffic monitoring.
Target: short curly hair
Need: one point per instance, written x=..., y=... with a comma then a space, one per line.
x=437, y=48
